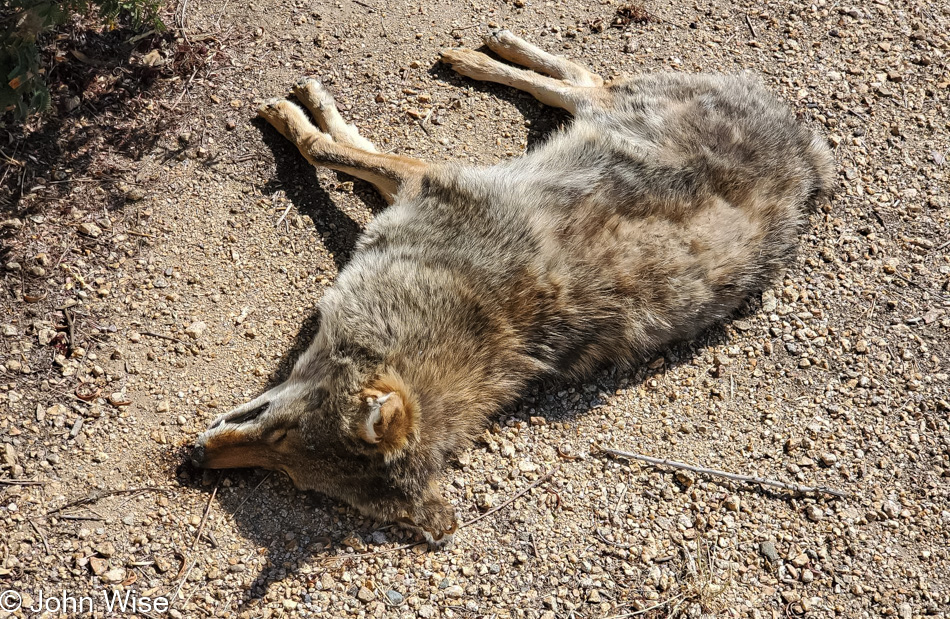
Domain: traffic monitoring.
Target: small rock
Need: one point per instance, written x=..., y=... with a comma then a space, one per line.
x=526, y=466
x=365, y=595
x=160, y=282
x=732, y=503
x=355, y=542
x=195, y=329
x=904, y=611
x=891, y=509
x=135, y=194
x=685, y=478
x=394, y=597
x=791, y=596
x=767, y=550
x=11, y=224
x=426, y=612
x=801, y=560
x=9, y=455
x=115, y=575
x=290, y=604
x=105, y=549
x=814, y=513
x=454, y=591
x=89, y=229
x=118, y=399
x=98, y=565
x=163, y=565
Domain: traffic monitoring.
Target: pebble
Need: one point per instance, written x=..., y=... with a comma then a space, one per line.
x=355, y=542
x=195, y=329
x=767, y=549
x=526, y=466
x=394, y=597
x=732, y=503
x=115, y=575
x=454, y=591
x=814, y=513
x=98, y=566
x=90, y=229
x=891, y=509
x=106, y=549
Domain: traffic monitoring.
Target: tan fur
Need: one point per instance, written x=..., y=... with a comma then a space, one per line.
x=396, y=422
x=669, y=201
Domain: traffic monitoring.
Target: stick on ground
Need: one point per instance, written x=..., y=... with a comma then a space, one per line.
x=98, y=496
x=191, y=551
x=732, y=476
x=515, y=497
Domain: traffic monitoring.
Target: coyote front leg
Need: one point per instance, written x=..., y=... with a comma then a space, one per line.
x=339, y=146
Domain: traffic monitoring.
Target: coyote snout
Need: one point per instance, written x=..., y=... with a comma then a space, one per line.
x=669, y=201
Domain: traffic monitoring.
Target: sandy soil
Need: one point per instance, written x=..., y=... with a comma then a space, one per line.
x=836, y=377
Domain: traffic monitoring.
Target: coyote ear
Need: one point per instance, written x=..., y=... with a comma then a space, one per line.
x=389, y=414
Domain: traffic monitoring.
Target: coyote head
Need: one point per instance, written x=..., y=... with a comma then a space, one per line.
x=350, y=434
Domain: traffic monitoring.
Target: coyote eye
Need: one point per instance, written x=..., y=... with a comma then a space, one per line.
x=250, y=415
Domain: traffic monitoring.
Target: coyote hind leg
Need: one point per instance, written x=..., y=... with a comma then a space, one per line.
x=517, y=50
x=571, y=87
x=341, y=148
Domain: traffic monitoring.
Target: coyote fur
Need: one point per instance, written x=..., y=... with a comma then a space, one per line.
x=668, y=201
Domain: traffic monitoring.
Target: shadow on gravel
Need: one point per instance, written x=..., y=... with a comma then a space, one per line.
x=293, y=527
x=544, y=119
x=299, y=181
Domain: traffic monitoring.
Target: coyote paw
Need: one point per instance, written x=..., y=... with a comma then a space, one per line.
x=312, y=92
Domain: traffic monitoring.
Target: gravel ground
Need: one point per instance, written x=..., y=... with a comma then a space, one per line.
x=134, y=312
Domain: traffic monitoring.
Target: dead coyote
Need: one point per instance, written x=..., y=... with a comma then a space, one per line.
x=667, y=203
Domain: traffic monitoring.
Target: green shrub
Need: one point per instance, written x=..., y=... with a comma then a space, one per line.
x=23, y=23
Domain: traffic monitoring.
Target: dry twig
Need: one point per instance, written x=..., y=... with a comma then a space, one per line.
x=748, y=22
x=41, y=534
x=514, y=498
x=194, y=544
x=162, y=337
x=731, y=476
x=251, y=493
x=98, y=496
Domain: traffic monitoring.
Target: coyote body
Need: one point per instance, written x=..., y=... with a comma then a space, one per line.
x=667, y=203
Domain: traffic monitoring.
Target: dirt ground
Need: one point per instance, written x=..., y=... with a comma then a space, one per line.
x=146, y=290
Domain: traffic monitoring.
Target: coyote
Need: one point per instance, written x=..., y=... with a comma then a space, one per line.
x=668, y=201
